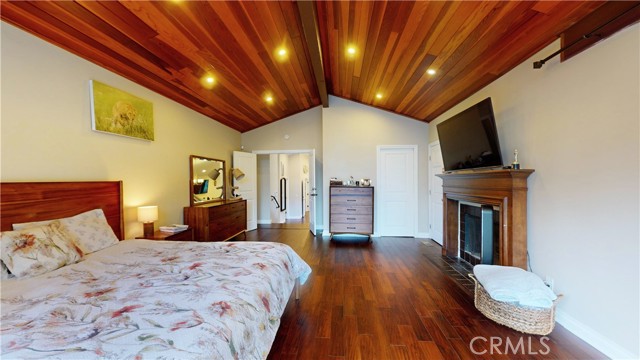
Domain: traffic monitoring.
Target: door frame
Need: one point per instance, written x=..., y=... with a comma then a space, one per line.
x=313, y=208
x=246, y=186
x=431, y=195
x=379, y=191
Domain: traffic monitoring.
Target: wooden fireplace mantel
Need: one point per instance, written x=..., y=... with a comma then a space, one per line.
x=506, y=189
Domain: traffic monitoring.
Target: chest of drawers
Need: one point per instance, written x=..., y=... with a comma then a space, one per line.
x=217, y=221
x=351, y=210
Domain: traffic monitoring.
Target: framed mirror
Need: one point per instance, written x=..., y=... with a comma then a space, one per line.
x=207, y=181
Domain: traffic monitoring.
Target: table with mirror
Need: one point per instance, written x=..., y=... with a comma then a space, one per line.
x=207, y=179
x=212, y=216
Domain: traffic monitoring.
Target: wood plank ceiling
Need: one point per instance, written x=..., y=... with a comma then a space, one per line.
x=171, y=47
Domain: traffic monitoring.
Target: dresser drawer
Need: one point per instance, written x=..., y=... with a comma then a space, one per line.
x=225, y=216
x=362, y=191
x=237, y=206
x=351, y=210
x=224, y=233
x=227, y=221
x=351, y=200
x=350, y=219
x=352, y=228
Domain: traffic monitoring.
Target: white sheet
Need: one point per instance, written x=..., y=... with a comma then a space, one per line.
x=145, y=299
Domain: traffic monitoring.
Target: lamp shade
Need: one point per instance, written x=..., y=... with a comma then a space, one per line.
x=147, y=214
x=215, y=174
x=237, y=174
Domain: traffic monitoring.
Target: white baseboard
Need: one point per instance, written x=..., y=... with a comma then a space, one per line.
x=422, y=235
x=592, y=337
x=264, y=222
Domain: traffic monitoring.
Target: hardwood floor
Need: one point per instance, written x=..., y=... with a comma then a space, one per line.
x=394, y=298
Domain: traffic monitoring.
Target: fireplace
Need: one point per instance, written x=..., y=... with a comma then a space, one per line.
x=504, y=191
x=478, y=233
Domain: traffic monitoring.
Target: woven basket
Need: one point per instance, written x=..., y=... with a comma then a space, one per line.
x=529, y=320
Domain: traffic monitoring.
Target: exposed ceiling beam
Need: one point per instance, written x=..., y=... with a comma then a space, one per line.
x=312, y=37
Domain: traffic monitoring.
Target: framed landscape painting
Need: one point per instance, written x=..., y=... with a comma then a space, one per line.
x=117, y=112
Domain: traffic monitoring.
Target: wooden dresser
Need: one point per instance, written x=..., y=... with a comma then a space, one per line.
x=218, y=221
x=351, y=210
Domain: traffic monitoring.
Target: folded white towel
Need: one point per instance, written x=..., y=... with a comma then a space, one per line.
x=512, y=284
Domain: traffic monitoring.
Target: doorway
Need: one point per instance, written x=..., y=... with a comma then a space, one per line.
x=286, y=188
x=245, y=184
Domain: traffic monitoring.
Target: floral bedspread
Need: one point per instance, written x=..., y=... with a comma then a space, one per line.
x=143, y=299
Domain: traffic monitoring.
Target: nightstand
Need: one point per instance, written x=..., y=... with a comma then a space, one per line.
x=186, y=235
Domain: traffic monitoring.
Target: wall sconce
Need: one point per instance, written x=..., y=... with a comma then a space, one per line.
x=147, y=215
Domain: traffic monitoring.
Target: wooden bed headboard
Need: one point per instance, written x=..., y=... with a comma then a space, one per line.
x=36, y=201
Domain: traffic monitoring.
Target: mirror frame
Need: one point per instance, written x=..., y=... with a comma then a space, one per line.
x=192, y=179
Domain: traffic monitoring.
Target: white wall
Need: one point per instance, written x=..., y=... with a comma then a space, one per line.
x=46, y=131
x=577, y=124
x=351, y=132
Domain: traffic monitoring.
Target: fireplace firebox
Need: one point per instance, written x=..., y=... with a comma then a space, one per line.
x=478, y=234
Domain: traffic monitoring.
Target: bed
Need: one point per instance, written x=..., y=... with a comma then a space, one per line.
x=139, y=299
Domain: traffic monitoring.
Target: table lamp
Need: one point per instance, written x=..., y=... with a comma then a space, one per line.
x=147, y=215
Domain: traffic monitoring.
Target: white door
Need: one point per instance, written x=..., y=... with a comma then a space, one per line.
x=313, y=194
x=397, y=190
x=248, y=185
x=435, y=192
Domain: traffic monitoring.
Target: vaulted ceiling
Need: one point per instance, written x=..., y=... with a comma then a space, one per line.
x=248, y=64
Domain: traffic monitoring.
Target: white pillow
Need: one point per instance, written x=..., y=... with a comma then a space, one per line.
x=89, y=230
x=514, y=285
x=37, y=250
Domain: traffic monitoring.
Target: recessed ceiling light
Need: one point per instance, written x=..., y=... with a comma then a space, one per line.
x=351, y=51
x=282, y=53
x=378, y=96
x=431, y=71
x=208, y=81
x=268, y=99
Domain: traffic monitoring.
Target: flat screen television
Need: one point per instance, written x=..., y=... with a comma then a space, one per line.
x=205, y=187
x=469, y=140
